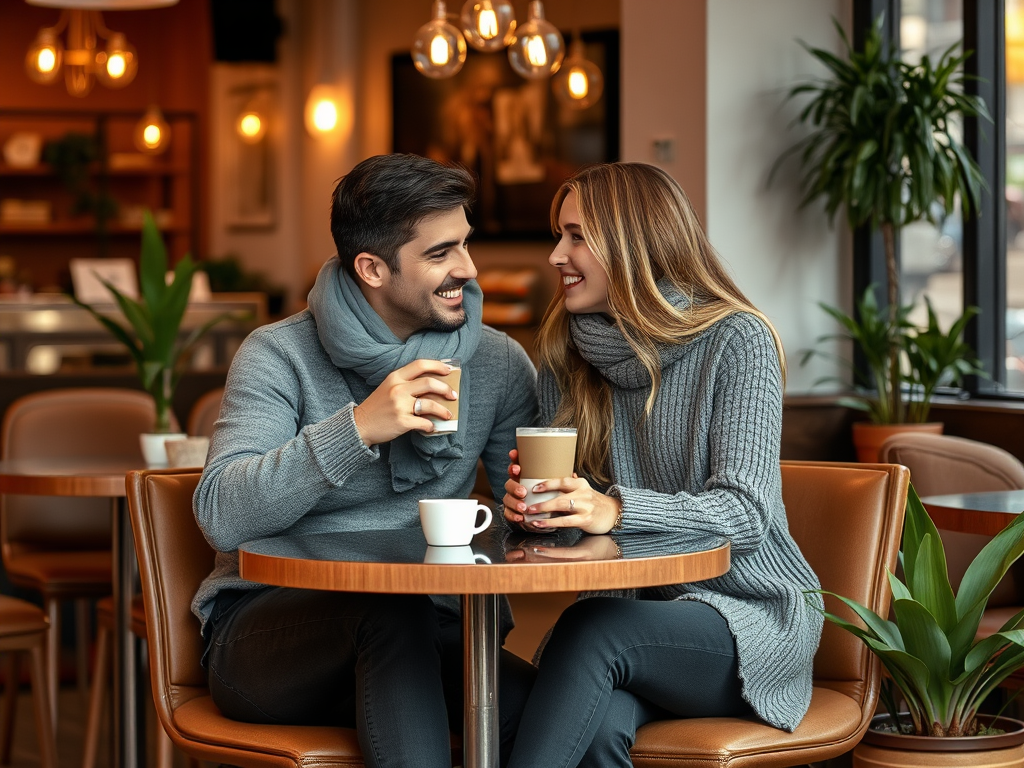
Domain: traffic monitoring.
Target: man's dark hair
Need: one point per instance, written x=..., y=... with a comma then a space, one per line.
x=376, y=207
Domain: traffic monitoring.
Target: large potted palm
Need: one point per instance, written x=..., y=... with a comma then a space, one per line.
x=884, y=147
x=938, y=673
x=152, y=336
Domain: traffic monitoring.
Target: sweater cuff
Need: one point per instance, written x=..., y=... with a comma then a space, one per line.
x=337, y=446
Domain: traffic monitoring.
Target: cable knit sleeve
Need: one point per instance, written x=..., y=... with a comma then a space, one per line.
x=729, y=396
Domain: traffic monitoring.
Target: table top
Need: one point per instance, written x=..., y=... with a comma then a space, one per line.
x=984, y=513
x=497, y=562
x=67, y=477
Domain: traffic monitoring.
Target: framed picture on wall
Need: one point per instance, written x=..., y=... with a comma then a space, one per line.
x=513, y=134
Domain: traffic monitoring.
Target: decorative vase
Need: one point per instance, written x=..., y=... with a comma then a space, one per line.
x=881, y=749
x=153, y=451
x=868, y=437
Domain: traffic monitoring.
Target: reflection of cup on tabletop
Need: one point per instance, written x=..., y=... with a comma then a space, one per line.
x=452, y=522
x=453, y=556
x=544, y=453
x=453, y=380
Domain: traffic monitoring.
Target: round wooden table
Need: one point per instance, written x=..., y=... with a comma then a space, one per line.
x=400, y=561
x=985, y=513
x=98, y=479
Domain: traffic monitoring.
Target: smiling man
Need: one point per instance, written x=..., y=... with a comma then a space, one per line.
x=324, y=428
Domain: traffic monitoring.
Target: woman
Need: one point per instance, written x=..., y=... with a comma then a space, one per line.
x=674, y=382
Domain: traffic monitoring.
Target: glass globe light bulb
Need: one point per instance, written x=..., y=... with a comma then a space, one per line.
x=439, y=49
x=118, y=64
x=152, y=133
x=488, y=25
x=579, y=83
x=537, y=48
x=44, y=57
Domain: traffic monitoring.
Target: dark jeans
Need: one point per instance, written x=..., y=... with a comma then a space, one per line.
x=612, y=665
x=388, y=665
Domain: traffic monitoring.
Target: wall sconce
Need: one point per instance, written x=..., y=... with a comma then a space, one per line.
x=114, y=66
x=252, y=122
x=579, y=83
x=152, y=133
x=324, y=114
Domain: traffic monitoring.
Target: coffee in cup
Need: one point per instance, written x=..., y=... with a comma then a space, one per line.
x=452, y=522
x=453, y=556
x=544, y=453
x=453, y=380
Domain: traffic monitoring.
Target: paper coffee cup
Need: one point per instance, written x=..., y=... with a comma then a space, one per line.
x=453, y=380
x=452, y=522
x=544, y=453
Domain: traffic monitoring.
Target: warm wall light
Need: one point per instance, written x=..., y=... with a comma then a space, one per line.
x=324, y=115
x=252, y=126
x=488, y=25
x=579, y=83
x=78, y=58
x=152, y=133
x=537, y=49
x=439, y=49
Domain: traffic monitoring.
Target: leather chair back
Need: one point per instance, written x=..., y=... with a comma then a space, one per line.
x=847, y=520
x=204, y=413
x=96, y=423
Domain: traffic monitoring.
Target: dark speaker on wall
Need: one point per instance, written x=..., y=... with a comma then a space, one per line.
x=245, y=30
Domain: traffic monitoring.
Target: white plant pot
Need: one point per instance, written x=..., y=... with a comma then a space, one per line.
x=153, y=450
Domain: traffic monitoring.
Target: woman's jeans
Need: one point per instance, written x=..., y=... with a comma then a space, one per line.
x=388, y=665
x=612, y=665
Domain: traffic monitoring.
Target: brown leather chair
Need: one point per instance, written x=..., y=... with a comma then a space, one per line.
x=60, y=547
x=847, y=520
x=23, y=628
x=941, y=464
x=173, y=559
x=204, y=413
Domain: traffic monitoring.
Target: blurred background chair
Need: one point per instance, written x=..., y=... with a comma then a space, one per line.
x=941, y=464
x=23, y=629
x=174, y=558
x=847, y=520
x=60, y=547
x=204, y=413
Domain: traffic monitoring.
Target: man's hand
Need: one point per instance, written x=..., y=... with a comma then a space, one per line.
x=391, y=409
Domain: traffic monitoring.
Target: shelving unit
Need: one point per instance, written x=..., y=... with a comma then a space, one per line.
x=167, y=185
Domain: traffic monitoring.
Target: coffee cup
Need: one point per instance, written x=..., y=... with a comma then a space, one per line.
x=452, y=522
x=453, y=380
x=453, y=556
x=544, y=453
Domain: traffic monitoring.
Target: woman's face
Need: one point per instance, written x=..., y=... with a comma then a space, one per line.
x=583, y=278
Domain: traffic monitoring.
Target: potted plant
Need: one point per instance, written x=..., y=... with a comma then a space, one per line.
x=934, y=664
x=929, y=357
x=152, y=338
x=884, y=146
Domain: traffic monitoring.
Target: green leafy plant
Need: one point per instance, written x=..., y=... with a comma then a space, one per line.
x=929, y=357
x=885, y=146
x=935, y=665
x=152, y=335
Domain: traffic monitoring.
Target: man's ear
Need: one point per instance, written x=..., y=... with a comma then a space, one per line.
x=371, y=269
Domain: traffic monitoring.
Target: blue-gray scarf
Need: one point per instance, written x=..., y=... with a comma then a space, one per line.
x=357, y=339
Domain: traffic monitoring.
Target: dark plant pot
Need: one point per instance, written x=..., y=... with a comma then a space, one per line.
x=868, y=437
x=880, y=749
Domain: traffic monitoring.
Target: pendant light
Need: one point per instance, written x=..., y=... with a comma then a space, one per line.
x=579, y=83
x=152, y=133
x=537, y=49
x=439, y=49
x=488, y=25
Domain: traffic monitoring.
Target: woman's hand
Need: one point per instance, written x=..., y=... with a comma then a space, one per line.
x=514, y=495
x=579, y=506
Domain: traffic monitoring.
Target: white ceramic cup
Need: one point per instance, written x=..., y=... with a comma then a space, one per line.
x=453, y=556
x=452, y=522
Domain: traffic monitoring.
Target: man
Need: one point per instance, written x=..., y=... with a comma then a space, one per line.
x=324, y=427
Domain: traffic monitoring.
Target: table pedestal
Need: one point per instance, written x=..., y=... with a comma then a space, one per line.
x=128, y=698
x=480, y=734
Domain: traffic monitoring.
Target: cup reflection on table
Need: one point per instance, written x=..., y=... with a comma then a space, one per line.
x=587, y=548
x=454, y=556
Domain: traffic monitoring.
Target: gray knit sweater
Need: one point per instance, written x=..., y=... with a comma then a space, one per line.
x=706, y=461
x=286, y=457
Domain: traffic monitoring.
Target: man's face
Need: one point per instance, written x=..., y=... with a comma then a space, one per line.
x=426, y=293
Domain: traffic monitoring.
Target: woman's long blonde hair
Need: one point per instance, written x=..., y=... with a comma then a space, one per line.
x=641, y=228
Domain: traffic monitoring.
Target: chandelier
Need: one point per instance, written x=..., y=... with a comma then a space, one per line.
x=80, y=55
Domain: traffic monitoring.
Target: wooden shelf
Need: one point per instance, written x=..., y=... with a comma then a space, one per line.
x=61, y=228
x=46, y=171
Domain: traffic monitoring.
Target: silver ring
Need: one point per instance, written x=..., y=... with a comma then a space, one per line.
x=572, y=504
x=417, y=407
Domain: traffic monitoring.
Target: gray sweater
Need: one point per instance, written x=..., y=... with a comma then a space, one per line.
x=286, y=458
x=706, y=461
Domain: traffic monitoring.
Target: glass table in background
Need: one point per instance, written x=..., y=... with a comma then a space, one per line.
x=984, y=513
x=497, y=562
